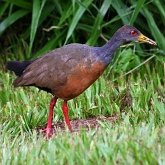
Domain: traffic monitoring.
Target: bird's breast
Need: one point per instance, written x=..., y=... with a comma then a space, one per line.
x=79, y=79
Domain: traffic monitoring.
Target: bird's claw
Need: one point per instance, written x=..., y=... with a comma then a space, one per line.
x=48, y=133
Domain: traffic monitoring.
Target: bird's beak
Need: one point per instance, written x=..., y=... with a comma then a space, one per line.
x=143, y=38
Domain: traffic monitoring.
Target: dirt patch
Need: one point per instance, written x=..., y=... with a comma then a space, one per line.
x=86, y=124
x=82, y=124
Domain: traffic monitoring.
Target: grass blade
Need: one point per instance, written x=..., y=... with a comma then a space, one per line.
x=121, y=9
x=138, y=7
x=3, y=8
x=77, y=17
x=49, y=45
x=154, y=29
x=161, y=9
x=23, y=4
x=11, y=19
x=66, y=14
x=97, y=25
x=37, y=10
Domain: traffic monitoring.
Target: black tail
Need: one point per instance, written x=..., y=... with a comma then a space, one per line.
x=17, y=67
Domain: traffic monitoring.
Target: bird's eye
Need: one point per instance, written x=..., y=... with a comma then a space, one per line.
x=133, y=33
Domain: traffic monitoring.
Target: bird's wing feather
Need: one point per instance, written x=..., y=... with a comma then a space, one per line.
x=52, y=69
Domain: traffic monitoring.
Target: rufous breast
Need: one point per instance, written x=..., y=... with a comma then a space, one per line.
x=79, y=80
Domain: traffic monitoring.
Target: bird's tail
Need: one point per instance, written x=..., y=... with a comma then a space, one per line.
x=17, y=67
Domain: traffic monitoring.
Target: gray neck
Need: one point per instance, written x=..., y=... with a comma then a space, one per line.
x=106, y=52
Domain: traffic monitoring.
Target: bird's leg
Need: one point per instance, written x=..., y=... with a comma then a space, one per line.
x=48, y=129
x=65, y=112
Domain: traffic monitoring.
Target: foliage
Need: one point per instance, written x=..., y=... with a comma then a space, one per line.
x=136, y=137
x=45, y=25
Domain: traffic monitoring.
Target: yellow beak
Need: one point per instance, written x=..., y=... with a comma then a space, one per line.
x=143, y=38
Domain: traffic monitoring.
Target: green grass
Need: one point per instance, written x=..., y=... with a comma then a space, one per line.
x=137, y=137
x=132, y=87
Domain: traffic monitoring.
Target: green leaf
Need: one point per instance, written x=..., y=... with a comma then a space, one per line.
x=161, y=9
x=49, y=45
x=154, y=29
x=77, y=17
x=66, y=14
x=23, y=4
x=121, y=9
x=36, y=13
x=11, y=19
x=3, y=8
x=44, y=16
x=137, y=10
x=97, y=25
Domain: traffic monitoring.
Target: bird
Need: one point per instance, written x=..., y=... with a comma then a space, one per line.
x=68, y=71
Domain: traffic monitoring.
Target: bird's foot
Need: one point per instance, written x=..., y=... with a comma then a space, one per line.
x=48, y=132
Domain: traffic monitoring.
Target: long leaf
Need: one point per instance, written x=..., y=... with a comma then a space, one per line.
x=37, y=9
x=11, y=19
x=161, y=7
x=137, y=10
x=97, y=25
x=121, y=9
x=154, y=29
x=3, y=8
x=23, y=4
x=50, y=44
x=77, y=17
x=44, y=16
x=66, y=14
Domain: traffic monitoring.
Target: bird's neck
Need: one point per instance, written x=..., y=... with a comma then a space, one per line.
x=107, y=51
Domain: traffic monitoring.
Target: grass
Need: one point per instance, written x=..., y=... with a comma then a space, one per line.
x=137, y=137
x=132, y=87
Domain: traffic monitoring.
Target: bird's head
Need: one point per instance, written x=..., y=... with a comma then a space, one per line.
x=129, y=33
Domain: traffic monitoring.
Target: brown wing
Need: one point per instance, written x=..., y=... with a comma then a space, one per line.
x=52, y=70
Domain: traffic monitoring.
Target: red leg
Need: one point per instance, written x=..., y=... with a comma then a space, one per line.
x=65, y=112
x=48, y=130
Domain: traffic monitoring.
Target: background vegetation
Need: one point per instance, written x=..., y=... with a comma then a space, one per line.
x=133, y=87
